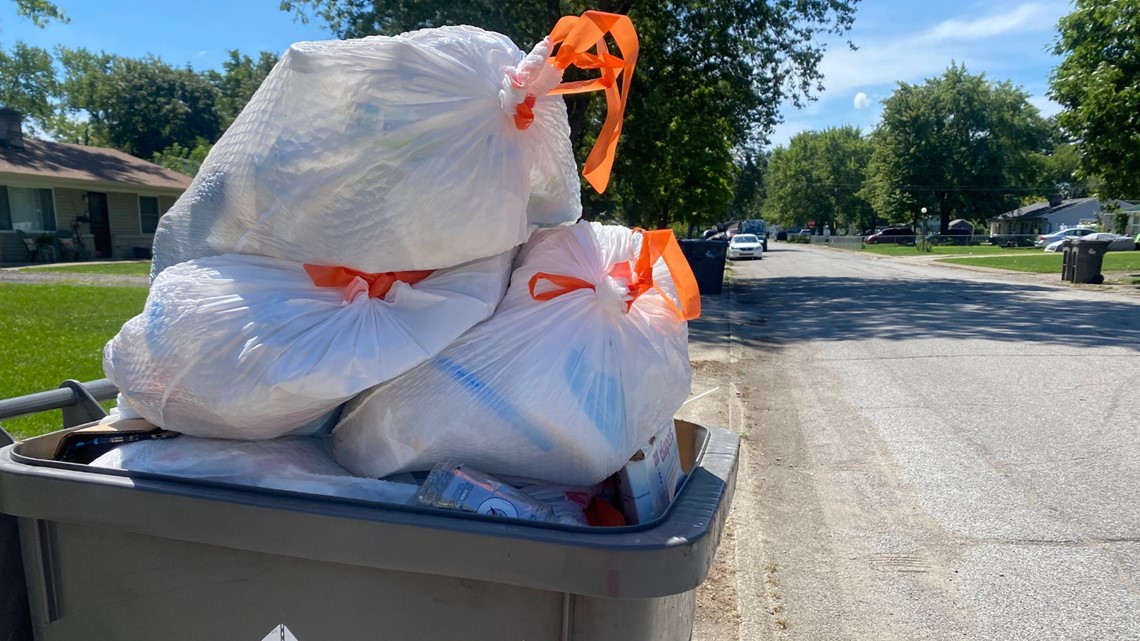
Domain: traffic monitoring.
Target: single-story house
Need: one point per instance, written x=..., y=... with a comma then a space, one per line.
x=1046, y=217
x=1133, y=226
x=63, y=199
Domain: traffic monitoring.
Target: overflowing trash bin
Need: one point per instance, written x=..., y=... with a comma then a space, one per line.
x=332, y=422
x=134, y=555
x=706, y=259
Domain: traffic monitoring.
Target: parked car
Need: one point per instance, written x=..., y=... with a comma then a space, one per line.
x=1045, y=240
x=745, y=246
x=901, y=235
x=953, y=236
x=1116, y=242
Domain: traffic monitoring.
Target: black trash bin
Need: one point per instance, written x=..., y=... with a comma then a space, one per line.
x=1068, y=259
x=1088, y=261
x=706, y=259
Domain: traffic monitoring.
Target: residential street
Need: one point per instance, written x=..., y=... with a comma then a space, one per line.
x=927, y=452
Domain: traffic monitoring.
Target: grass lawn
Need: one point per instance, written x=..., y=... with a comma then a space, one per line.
x=1042, y=262
x=949, y=250
x=50, y=333
x=135, y=268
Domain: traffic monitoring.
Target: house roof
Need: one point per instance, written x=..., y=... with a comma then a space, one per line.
x=1080, y=207
x=64, y=161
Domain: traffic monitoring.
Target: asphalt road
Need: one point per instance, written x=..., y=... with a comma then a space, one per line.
x=928, y=453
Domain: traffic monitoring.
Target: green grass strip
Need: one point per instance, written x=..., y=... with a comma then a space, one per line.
x=50, y=333
x=1044, y=263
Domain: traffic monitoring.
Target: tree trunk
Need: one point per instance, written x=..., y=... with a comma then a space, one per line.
x=944, y=211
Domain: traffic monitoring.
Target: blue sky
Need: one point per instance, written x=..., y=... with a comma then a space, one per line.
x=898, y=40
x=908, y=41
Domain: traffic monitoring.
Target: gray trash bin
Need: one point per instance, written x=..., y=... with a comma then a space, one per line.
x=706, y=259
x=1088, y=260
x=134, y=556
x=1068, y=259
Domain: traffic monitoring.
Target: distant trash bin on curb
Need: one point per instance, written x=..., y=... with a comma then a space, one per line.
x=1068, y=259
x=706, y=259
x=140, y=556
x=1082, y=260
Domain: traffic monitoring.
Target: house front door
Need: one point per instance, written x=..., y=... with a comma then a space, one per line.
x=100, y=223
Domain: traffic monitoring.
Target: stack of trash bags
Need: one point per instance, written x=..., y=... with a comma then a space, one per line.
x=377, y=287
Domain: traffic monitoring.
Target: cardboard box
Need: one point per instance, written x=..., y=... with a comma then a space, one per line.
x=648, y=482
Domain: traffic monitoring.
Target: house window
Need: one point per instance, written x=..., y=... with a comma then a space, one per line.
x=26, y=209
x=148, y=214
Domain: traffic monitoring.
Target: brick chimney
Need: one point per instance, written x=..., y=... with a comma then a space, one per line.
x=11, y=128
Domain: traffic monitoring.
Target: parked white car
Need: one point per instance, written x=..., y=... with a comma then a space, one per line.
x=1045, y=240
x=745, y=246
x=1116, y=242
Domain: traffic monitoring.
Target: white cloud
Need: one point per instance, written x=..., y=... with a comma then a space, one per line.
x=914, y=57
x=1026, y=17
x=862, y=101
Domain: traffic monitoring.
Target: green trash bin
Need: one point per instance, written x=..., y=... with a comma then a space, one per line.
x=136, y=557
x=706, y=259
x=1088, y=260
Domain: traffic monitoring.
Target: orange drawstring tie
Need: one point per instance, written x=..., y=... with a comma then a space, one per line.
x=638, y=274
x=378, y=284
x=575, y=35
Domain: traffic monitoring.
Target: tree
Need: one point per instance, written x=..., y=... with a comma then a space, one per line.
x=140, y=106
x=749, y=193
x=958, y=144
x=184, y=160
x=709, y=82
x=40, y=11
x=818, y=177
x=1098, y=84
x=28, y=84
x=27, y=77
x=239, y=79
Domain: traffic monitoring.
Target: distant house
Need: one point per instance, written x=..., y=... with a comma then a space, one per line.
x=1133, y=226
x=51, y=191
x=1049, y=216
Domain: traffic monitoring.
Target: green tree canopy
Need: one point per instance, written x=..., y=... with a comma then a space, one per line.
x=818, y=177
x=140, y=106
x=28, y=84
x=958, y=144
x=749, y=192
x=236, y=83
x=40, y=11
x=1098, y=84
x=709, y=82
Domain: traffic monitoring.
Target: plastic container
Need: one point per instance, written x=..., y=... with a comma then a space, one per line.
x=126, y=556
x=706, y=259
x=1088, y=260
x=1068, y=259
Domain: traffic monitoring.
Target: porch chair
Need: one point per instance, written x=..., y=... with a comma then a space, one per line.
x=68, y=249
x=30, y=245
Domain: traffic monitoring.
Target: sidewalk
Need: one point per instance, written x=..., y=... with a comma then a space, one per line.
x=713, y=352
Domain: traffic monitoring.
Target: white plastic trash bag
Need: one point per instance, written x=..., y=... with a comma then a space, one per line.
x=384, y=154
x=294, y=464
x=248, y=347
x=581, y=364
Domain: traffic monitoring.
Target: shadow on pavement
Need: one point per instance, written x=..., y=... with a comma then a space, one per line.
x=788, y=310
